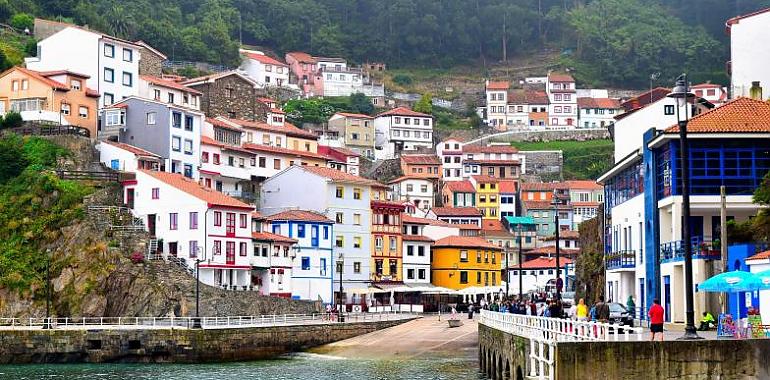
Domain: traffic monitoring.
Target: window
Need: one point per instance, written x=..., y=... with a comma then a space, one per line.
x=420, y=250
x=172, y=221
x=243, y=250
x=421, y=274
x=128, y=55
x=305, y=263
x=357, y=242
x=410, y=274
x=205, y=157
x=357, y=219
x=339, y=241
x=65, y=109
x=150, y=118
x=128, y=79
x=478, y=277
x=463, y=277
x=463, y=256
x=356, y=193
x=109, y=50
x=378, y=242
x=193, y=220
x=338, y=217
x=357, y=267
x=188, y=146
x=243, y=220
x=155, y=193
x=393, y=243
x=109, y=75
x=108, y=98
x=217, y=247
x=15, y=85
x=176, y=143
x=277, y=164
x=668, y=109
x=340, y=192
x=83, y=112
x=217, y=218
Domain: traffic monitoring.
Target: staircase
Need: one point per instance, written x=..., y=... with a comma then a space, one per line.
x=115, y=218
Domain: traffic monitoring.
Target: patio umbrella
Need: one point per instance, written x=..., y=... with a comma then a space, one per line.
x=735, y=282
x=764, y=277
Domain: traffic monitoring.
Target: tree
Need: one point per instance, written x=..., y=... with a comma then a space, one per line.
x=22, y=21
x=359, y=103
x=5, y=64
x=12, y=160
x=425, y=104
x=589, y=266
x=12, y=119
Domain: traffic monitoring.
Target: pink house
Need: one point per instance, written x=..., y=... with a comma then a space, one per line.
x=305, y=73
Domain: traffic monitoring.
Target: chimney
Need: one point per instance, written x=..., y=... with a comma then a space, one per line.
x=756, y=91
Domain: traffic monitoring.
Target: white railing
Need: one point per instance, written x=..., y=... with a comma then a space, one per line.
x=190, y=322
x=544, y=334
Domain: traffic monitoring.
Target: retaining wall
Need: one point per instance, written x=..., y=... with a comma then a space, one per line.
x=172, y=346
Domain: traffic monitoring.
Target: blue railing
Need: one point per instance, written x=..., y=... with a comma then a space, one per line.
x=621, y=259
x=701, y=249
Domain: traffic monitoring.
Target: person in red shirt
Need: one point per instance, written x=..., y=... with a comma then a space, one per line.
x=656, y=319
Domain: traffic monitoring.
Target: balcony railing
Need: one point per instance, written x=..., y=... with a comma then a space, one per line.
x=621, y=259
x=701, y=249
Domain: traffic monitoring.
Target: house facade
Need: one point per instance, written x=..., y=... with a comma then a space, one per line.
x=263, y=69
x=127, y=158
x=460, y=262
x=402, y=130
x=417, y=190
x=563, y=106
x=459, y=194
x=355, y=130
x=416, y=251
x=111, y=64
x=229, y=94
x=387, y=249
x=164, y=90
x=597, y=112
x=746, y=65
x=498, y=161
x=60, y=97
x=450, y=153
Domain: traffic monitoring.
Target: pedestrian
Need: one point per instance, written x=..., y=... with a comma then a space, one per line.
x=592, y=313
x=555, y=310
x=470, y=310
x=656, y=319
x=631, y=306
x=581, y=312
x=602, y=310
x=494, y=307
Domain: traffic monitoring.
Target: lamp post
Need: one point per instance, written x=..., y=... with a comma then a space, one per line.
x=197, y=319
x=555, y=203
x=340, y=303
x=681, y=93
x=46, y=323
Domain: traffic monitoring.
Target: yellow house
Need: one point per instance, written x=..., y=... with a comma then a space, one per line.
x=459, y=262
x=386, y=261
x=487, y=196
x=54, y=96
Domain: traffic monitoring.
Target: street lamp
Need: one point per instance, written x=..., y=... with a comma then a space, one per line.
x=197, y=319
x=681, y=93
x=340, y=303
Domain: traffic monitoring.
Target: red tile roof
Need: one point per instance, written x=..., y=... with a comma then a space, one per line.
x=456, y=211
x=485, y=179
x=585, y=204
x=169, y=84
x=705, y=85
x=209, y=141
x=257, y=215
x=223, y=124
x=277, y=110
x=760, y=256
x=267, y=236
x=494, y=162
x=36, y=75
x=543, y=262
x=338, y=176
x=63, y=72
x=302, y=57
x=564, y=235
x=193, y=188
x=537, y=205
x=283, y=151
x=262, y=58
x=492, y=225
x=417, y=238
x=742, y=115
x=541, y=186
x=583, y=185
x=489, y=149
x=299, y=215
x=406, y=218
x=420, y=159
x=460, y=186
x=465, y=242
x=130, y=148
x=467, y=226
x=507, y=187
x=527, y=96
x=560, y=77
x=406, y=177
x=642, y=100
x=355, y=115
x=498, y=85
x=605, y=103
x=402, y=111
x=551, y=250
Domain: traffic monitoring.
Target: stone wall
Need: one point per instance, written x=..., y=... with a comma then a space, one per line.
x=543, y=165
x=150, y=63
x=241, y=104
x=179, y=345
x=575, y=134
x=502, y=355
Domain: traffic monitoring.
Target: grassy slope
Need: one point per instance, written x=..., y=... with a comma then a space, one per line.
x=13, y=44
x=582, y=159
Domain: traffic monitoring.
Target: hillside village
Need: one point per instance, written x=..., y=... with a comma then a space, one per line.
x=225, y=184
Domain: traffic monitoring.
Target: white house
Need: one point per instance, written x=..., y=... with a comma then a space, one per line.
x=128, y=158
x=716, y=94
x=749, y=53
x=563, y=107
x=263, y=69
x=539, y=274
x=271, y=260
x=597, y=112
x=417, y=190
x=111, y=63
x=758, y=263
x=416, y=251
x=499, y=161
x=450, y=152
x=164, y=90
x=401, y=130
x=311, y=270
x=339, y=196
x=192, y=223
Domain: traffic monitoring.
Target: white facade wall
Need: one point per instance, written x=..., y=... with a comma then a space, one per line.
x=436, y=232
x=450, y=153
x=127, y=161
x=757, y=266
x=180, y=98
x=416, y=264
x=597, y=117
x=627, y=233
x=194, y=136
x=392, y=130
x=534, y=279
x=265, y=74
x=563, y=105
x=315, y=281
x=414, y=190
x=749, y=54
x=630, y=130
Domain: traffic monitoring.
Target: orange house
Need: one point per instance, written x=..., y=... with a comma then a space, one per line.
x=54, y=96
x=421, y=165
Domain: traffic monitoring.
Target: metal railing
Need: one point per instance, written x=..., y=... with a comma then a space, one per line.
x=190, y=322
x=621, y=259
x=545, y=333
x=88, y=175
x=41, y=129
x=702, y=248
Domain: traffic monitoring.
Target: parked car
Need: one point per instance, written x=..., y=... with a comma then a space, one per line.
x=619, y=315
x=568, y=299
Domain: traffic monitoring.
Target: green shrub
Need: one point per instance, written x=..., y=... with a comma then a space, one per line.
x=22, y=21
x=12, y=119
x=402, y=79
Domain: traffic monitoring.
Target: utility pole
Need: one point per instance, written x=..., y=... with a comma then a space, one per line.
x=723, y=239
x=521, y=290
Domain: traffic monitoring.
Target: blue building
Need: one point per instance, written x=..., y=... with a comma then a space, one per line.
x=311, y=268
x=728, y=146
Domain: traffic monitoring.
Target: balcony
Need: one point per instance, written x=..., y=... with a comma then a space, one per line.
x=621, y=260
x=701, y=249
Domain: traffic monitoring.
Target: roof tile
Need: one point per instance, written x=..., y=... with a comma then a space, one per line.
x=465, y=242
x=299, y=215
x=742, y=115
x=460, y=186
x=402, y=111
x=193, y=188
x=456, y=211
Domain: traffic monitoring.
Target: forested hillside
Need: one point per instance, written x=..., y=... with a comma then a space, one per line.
x=609, y=42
